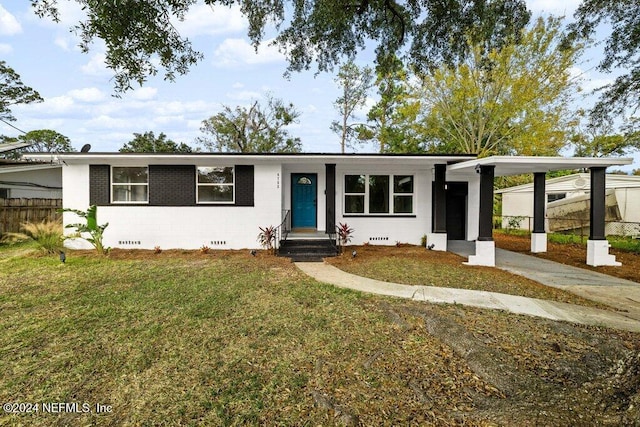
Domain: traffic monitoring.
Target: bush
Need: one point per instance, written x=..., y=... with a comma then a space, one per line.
x=46, y=234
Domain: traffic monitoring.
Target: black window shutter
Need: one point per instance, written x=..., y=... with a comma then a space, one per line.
x=99, y=185
x=244, y=185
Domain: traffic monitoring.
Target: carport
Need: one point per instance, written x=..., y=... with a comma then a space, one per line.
x=490, y=167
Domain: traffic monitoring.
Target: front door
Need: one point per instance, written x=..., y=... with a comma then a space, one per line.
x=303, y=200
x=457, y=210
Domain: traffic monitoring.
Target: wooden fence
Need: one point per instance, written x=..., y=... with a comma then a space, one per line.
x=14, y=212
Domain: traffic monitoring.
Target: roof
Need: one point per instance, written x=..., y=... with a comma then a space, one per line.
x=457, y=163
x=247, y=158
x=22, y=166
x=516, y=165
x=575, y=182
x=13, y=146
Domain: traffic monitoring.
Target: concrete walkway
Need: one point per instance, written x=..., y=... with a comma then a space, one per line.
x=521, y=305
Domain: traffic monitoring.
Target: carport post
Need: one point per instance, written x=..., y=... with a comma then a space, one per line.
x=485, y=246
x=539, y=235
x=597, y=245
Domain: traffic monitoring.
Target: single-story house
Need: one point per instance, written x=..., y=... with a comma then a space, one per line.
x=30, y=180
x=220, y=200
x=567, y=204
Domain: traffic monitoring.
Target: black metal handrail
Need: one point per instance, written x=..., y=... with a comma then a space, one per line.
x=282, y=230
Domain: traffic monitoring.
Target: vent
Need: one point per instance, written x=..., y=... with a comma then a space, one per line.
x=580, y=183
x=218, y=243
x=130, y=242
x=377, y=239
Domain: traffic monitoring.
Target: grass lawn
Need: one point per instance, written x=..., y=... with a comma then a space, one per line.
x=184, y=338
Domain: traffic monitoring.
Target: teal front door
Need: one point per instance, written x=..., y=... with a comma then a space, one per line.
x=303, y=200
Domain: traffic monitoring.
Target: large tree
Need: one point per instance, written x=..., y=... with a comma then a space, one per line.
x=392, y=121
x=13, y=92
x=253, y=129
x=515, y=100
x=141, y=38
x=621, y=51
x=354, y=83
x=149, y=143
x=46, y=141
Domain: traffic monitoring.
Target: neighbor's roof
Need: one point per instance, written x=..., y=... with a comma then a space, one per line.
x=516, y=165
x=13, y=146
x=10, y=167
x=576, y=182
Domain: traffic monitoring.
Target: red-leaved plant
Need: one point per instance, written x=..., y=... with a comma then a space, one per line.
x=344, y=233
x=267, y=237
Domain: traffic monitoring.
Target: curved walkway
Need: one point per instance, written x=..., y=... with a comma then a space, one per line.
x=516, y=304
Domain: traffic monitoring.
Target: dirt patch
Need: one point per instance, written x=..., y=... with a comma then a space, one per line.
x=574, y=255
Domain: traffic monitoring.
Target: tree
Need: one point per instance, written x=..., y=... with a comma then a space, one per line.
x=355, y=83
x=255, y=129
x=13, y=92
x=140, y=37
x=602, y=141
x=509, y=101
x=46, y=141
x=149, y=143
x=392, y=121
x=622, y=51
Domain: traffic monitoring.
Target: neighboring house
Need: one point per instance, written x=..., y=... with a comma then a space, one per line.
x=30, y=180
x=568, y=200
x=220, y=200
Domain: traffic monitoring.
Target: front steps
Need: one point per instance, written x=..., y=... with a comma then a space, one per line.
x=307, y=250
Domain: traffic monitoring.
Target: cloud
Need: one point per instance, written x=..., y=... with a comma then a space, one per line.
x=89, y=95
x=144, y=93
x=9, y=25
x=234, y=52
x=5, y=49
x=203, y=19
x=566, y=7
x=590, y=80
x=70, y=13
x=96, y=66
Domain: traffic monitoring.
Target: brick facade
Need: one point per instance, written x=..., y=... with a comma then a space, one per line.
x=170, y=185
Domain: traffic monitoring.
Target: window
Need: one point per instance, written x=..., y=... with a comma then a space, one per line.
x=215, y=184
x=403, y=194
x=130, y=184
x=354, y=192
x=556, y=196
x=378, y=194
x=4, y=193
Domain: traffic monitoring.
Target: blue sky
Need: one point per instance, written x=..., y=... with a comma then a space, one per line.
x=78, y=89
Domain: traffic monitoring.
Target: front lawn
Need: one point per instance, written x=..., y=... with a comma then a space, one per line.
x=185, y=338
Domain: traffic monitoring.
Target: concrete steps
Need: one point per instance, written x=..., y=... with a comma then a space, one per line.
x=307, y=250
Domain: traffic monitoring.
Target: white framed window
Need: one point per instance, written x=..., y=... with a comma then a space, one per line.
x=215, y=184
x=129, y=184
x=373, y=194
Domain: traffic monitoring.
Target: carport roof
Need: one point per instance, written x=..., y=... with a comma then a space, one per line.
x=516, y=165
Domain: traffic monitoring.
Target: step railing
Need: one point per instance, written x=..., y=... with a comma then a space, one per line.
x=282, y=230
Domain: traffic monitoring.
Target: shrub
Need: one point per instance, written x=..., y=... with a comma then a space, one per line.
x=46, y=234
x=95, y=231
x=344, y=233
x=267, y=237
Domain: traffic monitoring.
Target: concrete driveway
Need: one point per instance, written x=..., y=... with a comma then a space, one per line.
x=621, y=294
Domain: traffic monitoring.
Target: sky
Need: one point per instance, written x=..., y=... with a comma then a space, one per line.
x=78, y=88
